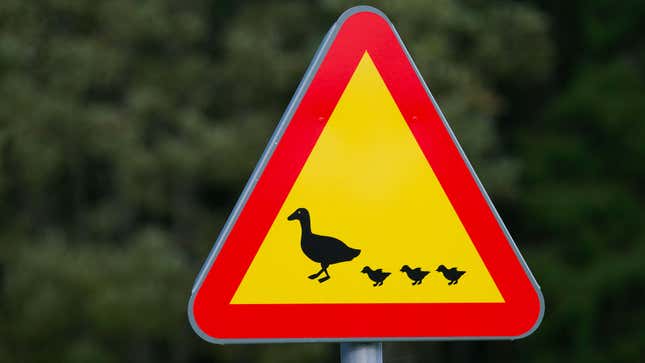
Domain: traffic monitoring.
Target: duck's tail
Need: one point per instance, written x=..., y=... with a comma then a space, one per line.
x=354, y=253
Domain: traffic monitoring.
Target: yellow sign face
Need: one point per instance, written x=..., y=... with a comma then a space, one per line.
x=368, y=184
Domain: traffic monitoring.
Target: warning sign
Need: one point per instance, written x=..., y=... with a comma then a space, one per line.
x=363, y=206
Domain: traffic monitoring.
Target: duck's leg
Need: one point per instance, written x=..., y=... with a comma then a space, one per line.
x=317, y=273
x=324, y=269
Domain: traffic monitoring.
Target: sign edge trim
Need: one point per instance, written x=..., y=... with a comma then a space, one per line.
x=285, y=120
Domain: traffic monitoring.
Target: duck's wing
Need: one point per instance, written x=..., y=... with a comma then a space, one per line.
x=380, y=270
x=417, y=270
x=333, y=250
x=329, y=249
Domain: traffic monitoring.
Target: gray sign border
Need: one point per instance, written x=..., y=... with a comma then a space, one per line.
x=259, y=168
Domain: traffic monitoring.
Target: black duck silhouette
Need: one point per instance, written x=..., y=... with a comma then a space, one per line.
x=416, y=275
x=451, y=274
x=378, y=276
x=322, y=249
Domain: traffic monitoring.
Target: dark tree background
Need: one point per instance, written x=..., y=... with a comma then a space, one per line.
x=128, y=129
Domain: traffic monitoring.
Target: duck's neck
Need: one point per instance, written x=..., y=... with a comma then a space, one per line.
x=305, y=225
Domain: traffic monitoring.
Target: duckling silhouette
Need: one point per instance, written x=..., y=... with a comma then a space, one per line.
x=416, y=275
x=378, y=276
x=322, y=249
x=451, y=274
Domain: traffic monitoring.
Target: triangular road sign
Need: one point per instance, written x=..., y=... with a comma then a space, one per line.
x=363, y=219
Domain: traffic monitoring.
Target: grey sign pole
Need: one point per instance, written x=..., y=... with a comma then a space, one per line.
x=371, y=352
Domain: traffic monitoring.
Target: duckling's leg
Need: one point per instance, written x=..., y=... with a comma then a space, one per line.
x=324, y=269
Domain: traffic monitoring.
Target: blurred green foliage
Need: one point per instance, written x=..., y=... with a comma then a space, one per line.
x=128, y=129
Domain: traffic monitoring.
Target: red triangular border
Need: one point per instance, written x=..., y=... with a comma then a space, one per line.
x=358, y=30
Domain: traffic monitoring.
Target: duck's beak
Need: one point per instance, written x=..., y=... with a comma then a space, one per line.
x=293, y=216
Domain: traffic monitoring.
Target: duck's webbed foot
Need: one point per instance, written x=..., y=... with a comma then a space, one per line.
x=322, y=279
x=314, y=275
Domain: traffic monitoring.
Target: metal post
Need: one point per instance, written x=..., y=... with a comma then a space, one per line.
x=361, y=352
